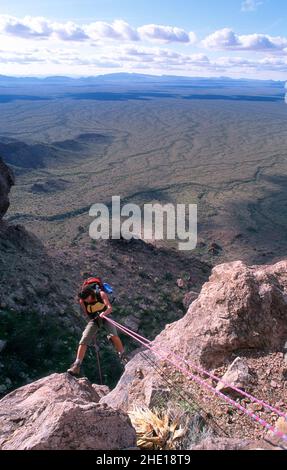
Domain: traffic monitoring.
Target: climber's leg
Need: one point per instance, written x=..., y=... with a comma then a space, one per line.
x=82, y=349
x=118, y=345
x=86, y=340
x=113, y=336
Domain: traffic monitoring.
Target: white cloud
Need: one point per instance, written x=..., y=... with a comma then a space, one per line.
x=88, y=61
x=42, y=28
x=68, y=32
x=119, y=29
x=262, y=42
x=166, y=34
x=161, y=57
x=250, y=5
x=28, y=27
x=222, y=38
x=228, y=39
x=162, y=60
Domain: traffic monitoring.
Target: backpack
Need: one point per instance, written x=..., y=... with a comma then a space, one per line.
x=97, y=284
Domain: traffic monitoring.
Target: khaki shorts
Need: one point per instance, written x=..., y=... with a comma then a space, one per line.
x=93, y=327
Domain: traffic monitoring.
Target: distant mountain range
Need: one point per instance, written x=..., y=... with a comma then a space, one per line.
x=133, y=78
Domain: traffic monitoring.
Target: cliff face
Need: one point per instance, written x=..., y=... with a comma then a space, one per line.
x=29, y=278
x=6, y=181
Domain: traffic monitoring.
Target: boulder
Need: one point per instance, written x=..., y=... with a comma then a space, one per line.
x=60, y=412
x=237, y=375
x=240, y=307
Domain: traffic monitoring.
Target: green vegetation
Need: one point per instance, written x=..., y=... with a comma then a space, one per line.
x=39, y=345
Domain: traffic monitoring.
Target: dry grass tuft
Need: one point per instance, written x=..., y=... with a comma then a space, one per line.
x=157, y=430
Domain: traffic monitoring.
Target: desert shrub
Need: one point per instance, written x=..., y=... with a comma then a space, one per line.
x=170, y=427
x=157, y=430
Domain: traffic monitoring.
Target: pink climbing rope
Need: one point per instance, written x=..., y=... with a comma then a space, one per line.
x=214, y=377
x=164, y=355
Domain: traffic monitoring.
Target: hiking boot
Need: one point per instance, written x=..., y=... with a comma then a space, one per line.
x=123, y=358
x=75, y=369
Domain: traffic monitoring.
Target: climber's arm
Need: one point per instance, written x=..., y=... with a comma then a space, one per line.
x=107, y=303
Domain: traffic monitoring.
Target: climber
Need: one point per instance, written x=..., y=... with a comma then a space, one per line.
x=96, y=305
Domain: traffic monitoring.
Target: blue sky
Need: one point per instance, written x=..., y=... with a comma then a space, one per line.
x=238, y=38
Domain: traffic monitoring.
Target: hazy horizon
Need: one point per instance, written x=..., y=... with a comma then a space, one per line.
x=189, y=77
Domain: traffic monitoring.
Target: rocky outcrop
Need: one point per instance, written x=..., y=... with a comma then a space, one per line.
x=6, y=181
x=60, y=412
x=240, y=307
